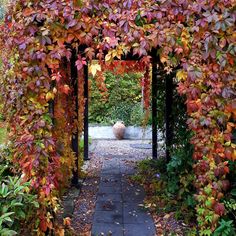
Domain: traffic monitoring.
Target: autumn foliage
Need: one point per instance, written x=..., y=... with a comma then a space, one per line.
x=37, y=40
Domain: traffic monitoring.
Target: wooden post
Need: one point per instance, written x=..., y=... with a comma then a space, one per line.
x=154, y=106
x=51, y=111
x=86, y=122
x=168, y=114
x=75, y=136
x=51, y=103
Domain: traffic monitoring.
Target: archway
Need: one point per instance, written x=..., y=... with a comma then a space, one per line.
x=154, y=91
x=39, y=44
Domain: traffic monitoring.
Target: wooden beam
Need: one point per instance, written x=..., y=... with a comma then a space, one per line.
x=154, y=105
x=75, y=136
x=86, y=121
x=51, y=111
x=51, y=103
x=168, y=114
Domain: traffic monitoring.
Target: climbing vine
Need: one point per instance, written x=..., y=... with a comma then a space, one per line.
x=36, y=44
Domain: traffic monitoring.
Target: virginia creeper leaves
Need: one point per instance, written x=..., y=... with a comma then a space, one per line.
x=36, y=45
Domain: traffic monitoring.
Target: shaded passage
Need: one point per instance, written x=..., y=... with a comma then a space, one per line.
x=119, y=208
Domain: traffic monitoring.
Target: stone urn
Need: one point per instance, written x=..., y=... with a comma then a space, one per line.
x=119, y=129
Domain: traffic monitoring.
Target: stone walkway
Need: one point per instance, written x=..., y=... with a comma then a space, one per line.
x=118, y=210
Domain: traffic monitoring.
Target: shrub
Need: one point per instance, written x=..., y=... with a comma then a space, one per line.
x=170, y=188
x=137, y=115
x=228, y=223
x=225, y=229
x=17, y=203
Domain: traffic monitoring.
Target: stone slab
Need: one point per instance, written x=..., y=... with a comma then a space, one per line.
x=134, y=214
x=116, y=207
x=139, y=230
x=133, y=195
x=111, y=171
x=105, y=176
x=117, y=210
x=111, y=189
x=108, y=217
x=110, y=183
x=109, y=197
x=107, y=229
x=116, y=184
x=128, y=170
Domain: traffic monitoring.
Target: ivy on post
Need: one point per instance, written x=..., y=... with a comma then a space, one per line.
x=51, y=106
x=154, y=105
x=86, y=135
x=51, y=103
x=75, y=135
x=168, y=114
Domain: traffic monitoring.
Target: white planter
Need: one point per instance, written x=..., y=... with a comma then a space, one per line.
x=119, y=130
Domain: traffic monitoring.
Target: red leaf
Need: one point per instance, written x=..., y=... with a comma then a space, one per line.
x=43, y=225
x=66, y=89
x=80, y=63
x=219, y=209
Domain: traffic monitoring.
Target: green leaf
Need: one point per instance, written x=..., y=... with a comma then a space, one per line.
x=233, y=192
x=6, y=215
x=7, y=232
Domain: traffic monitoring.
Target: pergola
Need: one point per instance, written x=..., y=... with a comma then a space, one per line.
x=157, y=73
x=39, y=36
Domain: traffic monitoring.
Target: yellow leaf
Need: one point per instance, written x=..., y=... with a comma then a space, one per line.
x=135, y=45
x=164, y=59
x=107, y=39
x=67, y=221
x=94, y=68
x=227, y=144
x=50, y=96
x=108, y=57
x=61, y=232
x=167, y=216
x=44, y=181
x=54, y=90
x=234, y=155
x=181, y=75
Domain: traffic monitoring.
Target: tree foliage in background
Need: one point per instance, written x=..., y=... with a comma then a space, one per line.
x=123, y=98
x=36, y=47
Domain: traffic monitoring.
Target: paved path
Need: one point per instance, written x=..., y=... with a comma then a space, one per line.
x=118, y=211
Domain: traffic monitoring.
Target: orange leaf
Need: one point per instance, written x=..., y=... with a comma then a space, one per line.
x=27, y=12
x=43, y=225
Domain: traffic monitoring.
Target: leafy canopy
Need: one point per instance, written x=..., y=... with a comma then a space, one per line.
x=38, y=39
